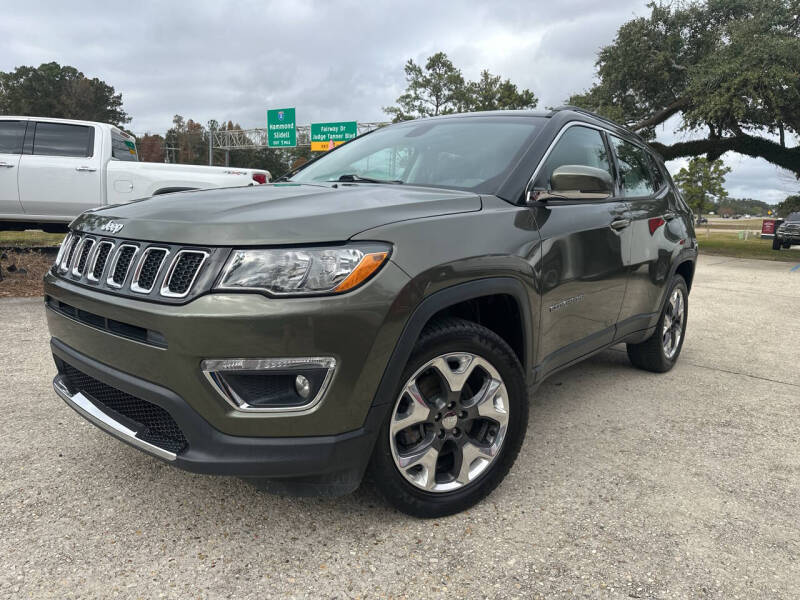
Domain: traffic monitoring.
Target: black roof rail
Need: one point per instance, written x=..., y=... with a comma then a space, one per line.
x=599, y=118
x=587, y=112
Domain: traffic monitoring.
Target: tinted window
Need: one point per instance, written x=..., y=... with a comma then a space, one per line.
x=637, y=180
x=11, y=136
x=122, y=147
x=577, y=146
x=474, y=153
x=59, y=139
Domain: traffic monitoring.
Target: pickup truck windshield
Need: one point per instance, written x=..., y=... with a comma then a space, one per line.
x=123, y=148
x=470, y=153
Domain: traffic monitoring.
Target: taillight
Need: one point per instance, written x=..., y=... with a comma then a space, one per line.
x=654, y=224
x=260, y=177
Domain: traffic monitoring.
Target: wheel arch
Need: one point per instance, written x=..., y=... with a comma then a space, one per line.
x=459, y=300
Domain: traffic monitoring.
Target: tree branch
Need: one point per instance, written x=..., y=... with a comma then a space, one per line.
x=787, y=158
x=662, y=115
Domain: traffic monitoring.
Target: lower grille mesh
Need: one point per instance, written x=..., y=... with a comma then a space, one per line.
x=153, y=423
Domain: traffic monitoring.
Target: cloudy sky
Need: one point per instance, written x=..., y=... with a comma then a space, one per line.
x=333, y=60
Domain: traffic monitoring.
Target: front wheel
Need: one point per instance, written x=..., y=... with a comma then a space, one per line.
x=660, y=352
x=457, y=423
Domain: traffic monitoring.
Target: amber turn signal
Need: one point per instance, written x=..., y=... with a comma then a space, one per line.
x=368, y=265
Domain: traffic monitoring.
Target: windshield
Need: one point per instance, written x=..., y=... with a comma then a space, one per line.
x=471, y=153
x=123, y=147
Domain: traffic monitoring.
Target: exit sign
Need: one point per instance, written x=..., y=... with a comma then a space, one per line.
x=281, y=128
x=326, y=136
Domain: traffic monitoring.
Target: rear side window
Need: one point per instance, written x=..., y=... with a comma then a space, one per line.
x=123, y=148
x=578, y=146
x=60, y=139
x=11, y=135
x=637, y=180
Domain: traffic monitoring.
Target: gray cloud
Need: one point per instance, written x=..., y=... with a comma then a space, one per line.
x=333, y=60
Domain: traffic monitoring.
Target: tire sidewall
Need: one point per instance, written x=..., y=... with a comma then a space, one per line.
x=460, y=338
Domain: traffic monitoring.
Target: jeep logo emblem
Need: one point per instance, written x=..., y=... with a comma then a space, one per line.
x=112, y=227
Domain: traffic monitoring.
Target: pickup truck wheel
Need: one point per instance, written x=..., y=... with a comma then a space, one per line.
x=457, y=423
x=776, y=244
x=660, y=352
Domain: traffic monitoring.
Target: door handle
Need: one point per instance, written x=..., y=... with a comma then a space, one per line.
x=669, y=215
x=6, y=165
x=85, y=169
x=620, y=224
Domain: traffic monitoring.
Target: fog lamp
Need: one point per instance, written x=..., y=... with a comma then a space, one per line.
x=278, y=385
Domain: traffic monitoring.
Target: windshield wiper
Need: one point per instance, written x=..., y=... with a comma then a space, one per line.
x=356, y=178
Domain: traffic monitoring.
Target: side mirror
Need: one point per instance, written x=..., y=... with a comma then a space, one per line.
x=581, y=182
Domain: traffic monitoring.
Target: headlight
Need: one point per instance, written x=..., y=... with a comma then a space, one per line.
x=303, y=271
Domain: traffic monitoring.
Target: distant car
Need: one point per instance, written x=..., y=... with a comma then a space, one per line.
x=788, y=232
x=702, y=220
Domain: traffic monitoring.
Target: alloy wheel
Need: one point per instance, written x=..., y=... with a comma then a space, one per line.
x=449, y=422
x=672, y=329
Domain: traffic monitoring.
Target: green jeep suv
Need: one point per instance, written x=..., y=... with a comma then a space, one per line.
x=388, y=306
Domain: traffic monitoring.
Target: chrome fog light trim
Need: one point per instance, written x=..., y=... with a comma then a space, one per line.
x=214, y=369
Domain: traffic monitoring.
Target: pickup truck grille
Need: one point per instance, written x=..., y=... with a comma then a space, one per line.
x=143, y=270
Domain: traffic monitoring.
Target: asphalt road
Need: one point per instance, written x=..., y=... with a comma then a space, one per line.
x=629, y=485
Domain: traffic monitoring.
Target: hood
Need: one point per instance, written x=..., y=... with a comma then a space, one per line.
x=273, y=214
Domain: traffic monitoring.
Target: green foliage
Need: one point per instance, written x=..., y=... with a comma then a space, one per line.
x=728, y=67
x=439, y=88
x=186, y=142
x=742, y=206
x=702, y=183
x=788, y=206
x=51, y=90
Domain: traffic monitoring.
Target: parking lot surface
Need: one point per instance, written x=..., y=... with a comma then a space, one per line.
x=629, y=484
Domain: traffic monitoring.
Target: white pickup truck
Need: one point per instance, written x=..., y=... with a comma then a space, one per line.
x=51, y=170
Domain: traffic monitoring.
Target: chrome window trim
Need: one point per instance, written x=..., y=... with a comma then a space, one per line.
x=110, y=278
x=165, y=284
x=138, y=271
x=211, y=366
x=93, y=264
x=77, y=256
x=612, y=158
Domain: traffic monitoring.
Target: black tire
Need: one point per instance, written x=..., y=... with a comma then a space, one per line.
x=444, y=337
x=650, y=354
x=776, y=244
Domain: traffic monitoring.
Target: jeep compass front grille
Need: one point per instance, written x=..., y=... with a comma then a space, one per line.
x=143, y=270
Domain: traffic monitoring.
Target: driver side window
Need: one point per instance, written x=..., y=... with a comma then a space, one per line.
x=577, y=147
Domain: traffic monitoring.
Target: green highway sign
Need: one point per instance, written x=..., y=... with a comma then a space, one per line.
x=281, y=131
x=326, y=136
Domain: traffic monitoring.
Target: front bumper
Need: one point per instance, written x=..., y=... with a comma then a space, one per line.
x=154, y=352
x=334, y=462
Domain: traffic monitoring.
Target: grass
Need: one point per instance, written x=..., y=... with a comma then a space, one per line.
x=30, y=239
x=727, y=243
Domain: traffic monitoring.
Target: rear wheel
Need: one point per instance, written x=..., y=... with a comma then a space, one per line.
x=457, y=423
x=660, y=352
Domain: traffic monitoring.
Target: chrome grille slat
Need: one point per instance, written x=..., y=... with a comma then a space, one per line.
x=82, y=256
x=190, y=260
x=121, y=264
x=148, y=269
x=68, y=253
x=99, y=260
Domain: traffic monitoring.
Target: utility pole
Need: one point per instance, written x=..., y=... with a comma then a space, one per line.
x=210, y=147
